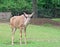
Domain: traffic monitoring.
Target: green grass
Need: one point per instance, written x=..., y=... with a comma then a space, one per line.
x=37, y=36
x=56, y=19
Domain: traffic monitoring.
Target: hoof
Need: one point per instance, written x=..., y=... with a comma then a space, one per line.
x=12, y=43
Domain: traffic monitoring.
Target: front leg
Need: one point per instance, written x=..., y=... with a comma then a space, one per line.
x=25, y=35
x=20, y=36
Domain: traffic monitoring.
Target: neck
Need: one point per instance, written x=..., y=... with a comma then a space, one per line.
x=27, y=21
x=25, y=16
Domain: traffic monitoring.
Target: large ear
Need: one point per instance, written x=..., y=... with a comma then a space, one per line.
x=25, y=14
x=32, y=14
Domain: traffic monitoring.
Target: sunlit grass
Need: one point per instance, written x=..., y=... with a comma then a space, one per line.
x=37, y=36
x=56, y=19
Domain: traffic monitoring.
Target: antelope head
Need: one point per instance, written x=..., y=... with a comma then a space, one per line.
x=27, y=18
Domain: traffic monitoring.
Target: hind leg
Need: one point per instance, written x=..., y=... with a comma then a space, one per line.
x=13, y=32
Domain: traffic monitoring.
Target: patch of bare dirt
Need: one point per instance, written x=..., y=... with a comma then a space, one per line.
x=41, y=21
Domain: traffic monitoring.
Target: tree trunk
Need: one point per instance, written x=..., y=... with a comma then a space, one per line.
x=35, y=8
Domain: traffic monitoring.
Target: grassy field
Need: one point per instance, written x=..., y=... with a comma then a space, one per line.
x=37, y=36
x=56, y=19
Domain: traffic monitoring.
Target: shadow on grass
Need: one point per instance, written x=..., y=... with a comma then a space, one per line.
x=18, y=43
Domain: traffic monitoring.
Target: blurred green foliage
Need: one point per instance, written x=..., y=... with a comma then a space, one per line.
x=20, y=6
